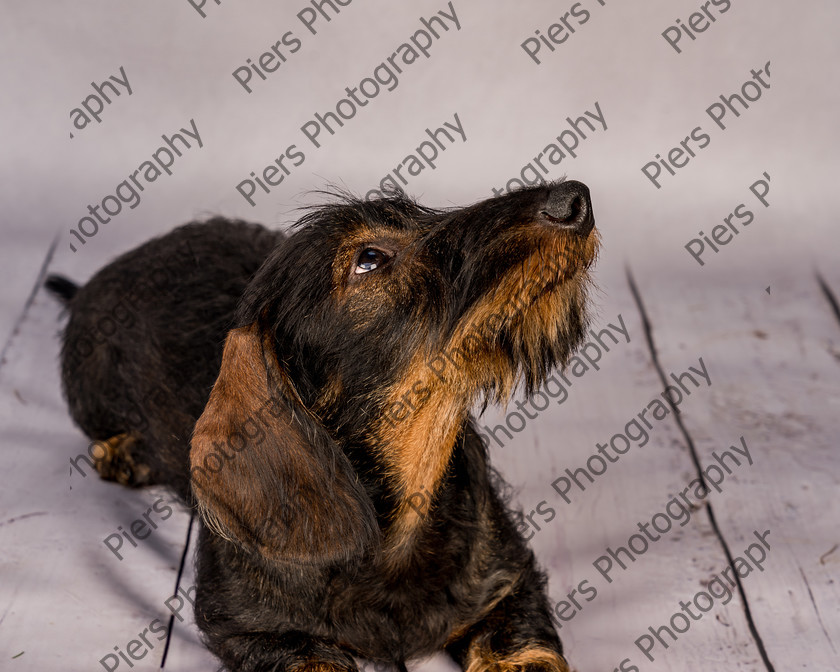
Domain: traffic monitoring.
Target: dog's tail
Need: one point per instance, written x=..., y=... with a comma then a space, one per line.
x=61, y=288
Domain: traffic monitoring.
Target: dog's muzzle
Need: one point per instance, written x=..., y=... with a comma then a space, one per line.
x=569, y=207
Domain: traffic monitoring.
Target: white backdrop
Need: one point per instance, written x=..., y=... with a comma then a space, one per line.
x=609, y=63
x=179, y=67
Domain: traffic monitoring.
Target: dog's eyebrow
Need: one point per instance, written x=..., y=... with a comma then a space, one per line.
x=423, y=240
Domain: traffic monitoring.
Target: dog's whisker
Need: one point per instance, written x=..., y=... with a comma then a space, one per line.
x=346, y=500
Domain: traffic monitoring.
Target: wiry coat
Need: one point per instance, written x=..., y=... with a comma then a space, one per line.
x=348, y=503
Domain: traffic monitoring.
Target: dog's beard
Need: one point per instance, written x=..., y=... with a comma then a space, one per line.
x=543, y=336
x=520, y=339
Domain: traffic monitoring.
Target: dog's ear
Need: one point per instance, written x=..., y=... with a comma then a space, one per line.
x=266, y=474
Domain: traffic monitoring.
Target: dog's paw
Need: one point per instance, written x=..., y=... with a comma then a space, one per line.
x=116, y=462
x=529, y=659
x=323, y=666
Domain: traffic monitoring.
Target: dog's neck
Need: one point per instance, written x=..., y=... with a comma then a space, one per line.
x=417, y=449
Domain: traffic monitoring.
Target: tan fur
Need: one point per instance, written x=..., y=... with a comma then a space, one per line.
x=502, y=585
x=417, y=449
x=287, y=454
x=116, y=461
x=236, y=395
x=529, y=659
x=377, y=237
x=319, y=666
x=531, y=284
x=329, y=396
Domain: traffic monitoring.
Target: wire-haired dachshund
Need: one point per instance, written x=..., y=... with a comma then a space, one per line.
x=347, y=503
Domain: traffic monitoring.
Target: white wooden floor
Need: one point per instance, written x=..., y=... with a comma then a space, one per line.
x=772, y=359
x=759, y=313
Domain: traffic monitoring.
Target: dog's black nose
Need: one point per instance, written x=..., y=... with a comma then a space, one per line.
x=569, y=207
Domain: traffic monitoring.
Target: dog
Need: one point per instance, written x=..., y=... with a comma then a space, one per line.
x=310, y=396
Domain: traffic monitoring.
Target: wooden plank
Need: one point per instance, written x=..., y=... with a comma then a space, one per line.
x=774, y=362
x=66, y=600
x=115, y=600
x=186, y=650
x=601, y=634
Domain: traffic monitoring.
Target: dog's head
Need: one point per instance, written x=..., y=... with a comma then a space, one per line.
x=365, y=338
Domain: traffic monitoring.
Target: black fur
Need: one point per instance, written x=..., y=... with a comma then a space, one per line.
x=143, y=342
x=303, y=564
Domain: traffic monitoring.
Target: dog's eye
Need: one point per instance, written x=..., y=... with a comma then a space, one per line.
x=369, y=260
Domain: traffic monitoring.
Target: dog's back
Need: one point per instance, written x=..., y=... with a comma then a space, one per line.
x=175, y=294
